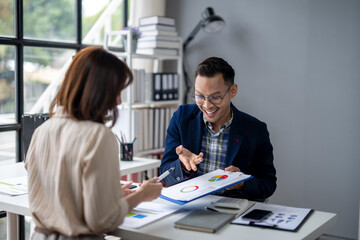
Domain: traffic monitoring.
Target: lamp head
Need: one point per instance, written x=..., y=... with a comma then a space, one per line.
x=212, y=22
x=209, y=22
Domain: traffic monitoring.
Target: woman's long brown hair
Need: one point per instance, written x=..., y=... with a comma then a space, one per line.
x=92, y=84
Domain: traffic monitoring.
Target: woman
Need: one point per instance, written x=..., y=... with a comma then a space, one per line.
x=73, y=158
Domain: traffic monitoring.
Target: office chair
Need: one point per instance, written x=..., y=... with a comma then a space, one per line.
x=29, y=123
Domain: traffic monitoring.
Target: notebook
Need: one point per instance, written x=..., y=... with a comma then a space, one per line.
x=204, y=220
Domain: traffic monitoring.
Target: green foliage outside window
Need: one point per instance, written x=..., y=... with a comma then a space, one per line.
x=7, y=19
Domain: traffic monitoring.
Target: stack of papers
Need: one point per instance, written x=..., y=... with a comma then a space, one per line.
x=203, y=185
x=14, y=186
x=147, y=212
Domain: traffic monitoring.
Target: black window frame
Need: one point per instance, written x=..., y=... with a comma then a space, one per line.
x=19, y=43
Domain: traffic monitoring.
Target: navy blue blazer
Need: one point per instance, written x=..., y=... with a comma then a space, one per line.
x=249, y=149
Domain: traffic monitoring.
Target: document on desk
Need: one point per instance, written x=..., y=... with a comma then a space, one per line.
x=203, y=185
x=14, y=186
x=147, y=212
x=282, y=217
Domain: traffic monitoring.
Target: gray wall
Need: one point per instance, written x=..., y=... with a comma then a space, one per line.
x=297, y=66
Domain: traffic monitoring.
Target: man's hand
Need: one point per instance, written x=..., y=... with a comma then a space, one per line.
x=189, y=159
x=232, y=168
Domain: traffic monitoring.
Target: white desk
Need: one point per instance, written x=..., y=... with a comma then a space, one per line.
x=138, y=165
x=314, y=226
x=19, y=205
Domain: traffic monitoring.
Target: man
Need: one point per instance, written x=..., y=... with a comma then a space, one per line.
x=214, y=134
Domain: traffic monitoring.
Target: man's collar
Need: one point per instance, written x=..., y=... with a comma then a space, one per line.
x=222, y=127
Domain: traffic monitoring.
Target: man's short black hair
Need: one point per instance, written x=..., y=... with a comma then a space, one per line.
x=214, y=65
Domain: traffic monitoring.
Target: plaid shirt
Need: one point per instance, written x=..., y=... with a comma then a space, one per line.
x=214, y=146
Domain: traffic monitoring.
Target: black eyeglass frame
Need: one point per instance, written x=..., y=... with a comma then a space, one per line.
x=210, y=98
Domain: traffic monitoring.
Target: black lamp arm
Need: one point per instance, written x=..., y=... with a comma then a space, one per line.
x=192, y=34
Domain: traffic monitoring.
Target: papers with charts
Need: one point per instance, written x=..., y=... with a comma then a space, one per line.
x=14, y=186
x=147, y=212
x=203, y=185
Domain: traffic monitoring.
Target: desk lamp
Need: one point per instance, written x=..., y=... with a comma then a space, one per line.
x=210, y=23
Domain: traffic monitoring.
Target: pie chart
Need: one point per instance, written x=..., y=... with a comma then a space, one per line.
x=189, y=189
x=218, y=178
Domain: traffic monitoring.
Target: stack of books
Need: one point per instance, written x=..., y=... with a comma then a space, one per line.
x=158, y=36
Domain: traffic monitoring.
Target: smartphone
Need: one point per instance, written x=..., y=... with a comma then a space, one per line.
x=131, y=186
x=256, y=215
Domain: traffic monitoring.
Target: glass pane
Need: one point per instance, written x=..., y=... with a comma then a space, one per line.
x=7, y=147
x=44, y=69
x=7, y=84
x=7, y=17
x=50, y=20
x=97, y=19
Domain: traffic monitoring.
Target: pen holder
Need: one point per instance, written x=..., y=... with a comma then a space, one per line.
x=127, y=151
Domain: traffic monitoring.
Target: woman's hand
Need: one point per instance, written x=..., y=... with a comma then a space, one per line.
x=150, y=189
x=125, y=189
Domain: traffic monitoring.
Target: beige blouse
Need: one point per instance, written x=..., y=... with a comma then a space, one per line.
x=74, y=177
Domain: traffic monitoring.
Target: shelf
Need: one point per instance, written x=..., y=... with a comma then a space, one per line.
x=158, y=112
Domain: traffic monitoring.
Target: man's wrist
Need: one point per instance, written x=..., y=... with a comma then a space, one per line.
x=186, y=172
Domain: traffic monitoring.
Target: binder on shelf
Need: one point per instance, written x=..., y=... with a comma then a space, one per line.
x=164, y=87
x=176, y=86
x=171, y=86
x=157, y=86
x=156, y=20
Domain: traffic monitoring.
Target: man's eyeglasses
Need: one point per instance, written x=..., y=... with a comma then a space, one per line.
x=213, y=99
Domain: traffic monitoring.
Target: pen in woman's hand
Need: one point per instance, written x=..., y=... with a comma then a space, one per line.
x=165, y=174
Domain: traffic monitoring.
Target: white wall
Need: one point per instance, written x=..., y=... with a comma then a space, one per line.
x=297, y=65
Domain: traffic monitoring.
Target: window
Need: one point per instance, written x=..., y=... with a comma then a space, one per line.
x=42, y=66
x=7, y=84
x=7, y=147
x=50, y=20
x=95, y=11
